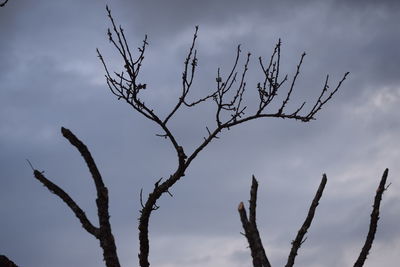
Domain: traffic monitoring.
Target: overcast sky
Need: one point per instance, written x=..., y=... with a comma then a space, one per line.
x=50, y=77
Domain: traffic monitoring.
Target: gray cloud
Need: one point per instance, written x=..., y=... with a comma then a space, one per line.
x=50, y=77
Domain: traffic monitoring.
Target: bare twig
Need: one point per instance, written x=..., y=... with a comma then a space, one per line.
x=30, y=164
x=374, y=221
x=251, y=231
x=299, y=240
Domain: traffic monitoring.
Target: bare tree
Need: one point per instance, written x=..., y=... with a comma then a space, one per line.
x=230, y=111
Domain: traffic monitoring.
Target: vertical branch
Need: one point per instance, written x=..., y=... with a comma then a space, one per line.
x=253, y=200
x=250, y=227
x=299, y=240
x=374, y=221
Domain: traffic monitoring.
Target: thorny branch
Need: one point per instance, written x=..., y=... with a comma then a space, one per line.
x=103, y=232
x=253, y=237
x=228, y=97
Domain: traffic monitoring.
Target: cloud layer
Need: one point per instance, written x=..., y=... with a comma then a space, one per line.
x=50, y=77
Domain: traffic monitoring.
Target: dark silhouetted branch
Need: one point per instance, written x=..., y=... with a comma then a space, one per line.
x=250, y=228
x=253, y=236
x=103, y=232
x=298, y=241
x=374, y=221
x=4, y=3
x=6, y=262
x=79, y=213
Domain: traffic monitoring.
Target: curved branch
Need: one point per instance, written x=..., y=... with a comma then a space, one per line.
x=103, y=233
x=151, y=205
x=106, y=237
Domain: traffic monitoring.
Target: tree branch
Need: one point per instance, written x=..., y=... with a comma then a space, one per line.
x=299, y=240
x=6, y=262
x=79, y=213
x=373, y=222
x=250, y=227
x=103, y=232
x=4, y=3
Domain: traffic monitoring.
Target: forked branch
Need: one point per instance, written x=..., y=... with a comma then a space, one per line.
x=103, y=232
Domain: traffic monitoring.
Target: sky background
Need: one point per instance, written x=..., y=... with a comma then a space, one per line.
x=50, y=77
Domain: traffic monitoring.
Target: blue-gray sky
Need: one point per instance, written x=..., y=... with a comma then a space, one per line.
x=50, y=77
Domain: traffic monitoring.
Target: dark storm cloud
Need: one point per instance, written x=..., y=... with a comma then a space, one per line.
x=50, y=77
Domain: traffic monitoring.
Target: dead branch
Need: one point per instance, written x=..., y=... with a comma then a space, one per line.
x=228, y=97
x=253, y=237
x=251, y=231
x=103, y=232
x=373, y=222
x=79, y=213
x=299, y=240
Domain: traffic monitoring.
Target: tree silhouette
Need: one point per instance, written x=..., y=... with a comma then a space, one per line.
x=230, y=110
